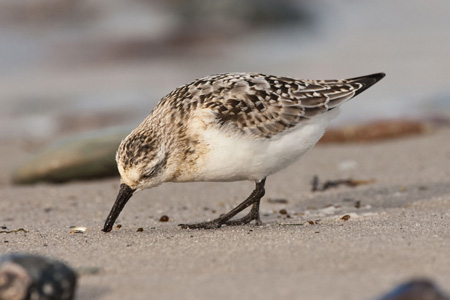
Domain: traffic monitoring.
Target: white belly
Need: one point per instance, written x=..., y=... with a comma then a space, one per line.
x=233, y=157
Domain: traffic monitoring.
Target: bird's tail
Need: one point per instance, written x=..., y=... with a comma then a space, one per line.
x=367, y=81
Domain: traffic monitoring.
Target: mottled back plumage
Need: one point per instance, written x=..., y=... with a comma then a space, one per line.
x=264, y=105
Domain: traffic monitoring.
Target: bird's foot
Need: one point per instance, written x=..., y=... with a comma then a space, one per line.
x=216, y=223
x=253, y=215
x=242, y=222
x=254, y=198
x=204, y=225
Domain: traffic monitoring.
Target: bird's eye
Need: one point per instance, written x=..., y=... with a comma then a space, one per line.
x=150, y=174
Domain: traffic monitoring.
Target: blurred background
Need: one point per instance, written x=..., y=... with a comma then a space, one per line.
x=73, y=66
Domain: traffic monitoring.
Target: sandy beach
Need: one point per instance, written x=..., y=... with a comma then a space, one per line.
x=397, y=230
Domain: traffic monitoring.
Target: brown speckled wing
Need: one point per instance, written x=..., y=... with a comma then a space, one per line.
x=263, y=105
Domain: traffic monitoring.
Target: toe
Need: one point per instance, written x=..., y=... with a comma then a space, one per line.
x=204, y=225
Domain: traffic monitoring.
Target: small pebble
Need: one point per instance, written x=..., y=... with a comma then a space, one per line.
x=140, y=229
x=164, y=218
x=283, y=211
x=346, y=218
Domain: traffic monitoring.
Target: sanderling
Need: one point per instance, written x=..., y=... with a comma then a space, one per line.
x=229, y=127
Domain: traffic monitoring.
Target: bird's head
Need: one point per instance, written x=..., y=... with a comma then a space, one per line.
x=141, y=161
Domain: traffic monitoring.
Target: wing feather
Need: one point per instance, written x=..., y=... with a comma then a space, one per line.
x=264, y=105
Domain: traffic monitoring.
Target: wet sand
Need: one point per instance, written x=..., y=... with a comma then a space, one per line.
x=397, y=230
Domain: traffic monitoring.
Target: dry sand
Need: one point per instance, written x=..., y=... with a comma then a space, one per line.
x=400, y=231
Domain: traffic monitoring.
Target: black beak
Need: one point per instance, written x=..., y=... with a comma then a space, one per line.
x=124, y=195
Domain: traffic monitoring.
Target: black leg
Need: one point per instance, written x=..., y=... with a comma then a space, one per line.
x=254, y=198
x=252, y=215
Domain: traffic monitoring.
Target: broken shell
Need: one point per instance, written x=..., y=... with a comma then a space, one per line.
x=78, y=229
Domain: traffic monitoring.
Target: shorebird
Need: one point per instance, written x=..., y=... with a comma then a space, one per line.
x=229, y=127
